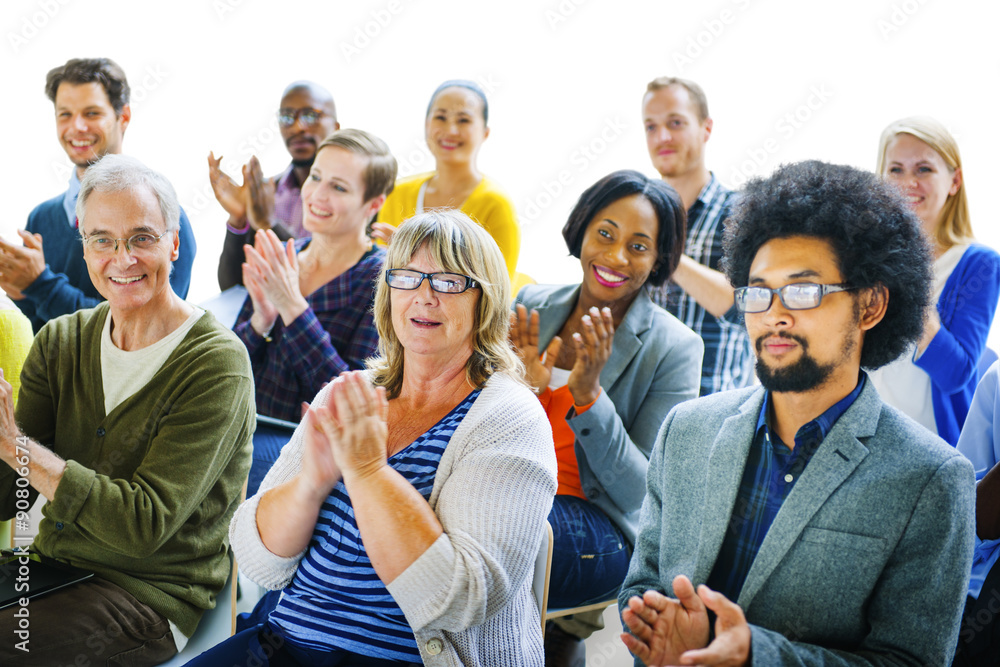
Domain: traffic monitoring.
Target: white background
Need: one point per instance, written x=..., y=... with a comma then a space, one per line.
x=565, y=82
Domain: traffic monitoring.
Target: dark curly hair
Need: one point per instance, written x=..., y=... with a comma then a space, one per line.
x=91, y=70
x=875, y=236
x=620, y=184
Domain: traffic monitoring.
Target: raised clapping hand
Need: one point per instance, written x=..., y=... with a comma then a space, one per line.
x=668, y=631
x=259, y=194
x=271, y=276
x=8, y=426
x=354, y=423
x=231, y=196
x=383, y=232
x=593, y=348
x=21, y=265
x=524, y=338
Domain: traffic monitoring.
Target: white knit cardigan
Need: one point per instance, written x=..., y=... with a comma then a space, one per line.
x=468, y=597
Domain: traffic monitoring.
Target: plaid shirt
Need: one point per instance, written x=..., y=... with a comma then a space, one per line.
x=728, y=361
x=288, y=202
x=336, y=333
x=769, y=476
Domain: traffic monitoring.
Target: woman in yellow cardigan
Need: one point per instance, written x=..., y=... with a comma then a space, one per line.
x=15, y=341
x=455, y=128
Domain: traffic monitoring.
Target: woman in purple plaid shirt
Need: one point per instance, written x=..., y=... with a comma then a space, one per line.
x=308, y=314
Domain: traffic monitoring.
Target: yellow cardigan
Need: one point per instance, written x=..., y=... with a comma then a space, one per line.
x=15, y=341
x=487, y=205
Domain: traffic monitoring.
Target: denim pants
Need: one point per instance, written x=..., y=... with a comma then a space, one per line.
x=263, y=646
x=267, y=444
x=590, y=555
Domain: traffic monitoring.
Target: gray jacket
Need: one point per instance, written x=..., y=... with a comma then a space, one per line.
x=655, y=364
x=868, y=560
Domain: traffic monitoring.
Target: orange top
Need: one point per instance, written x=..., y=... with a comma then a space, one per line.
x=557, y=404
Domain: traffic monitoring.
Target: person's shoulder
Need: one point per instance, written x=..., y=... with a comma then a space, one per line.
x=668, y=326
x=409, y=184
x=982, y=254
x=489, y=195
x=209, y=336
x=533, y=295
x=718, y=406
x=910, y=444
x=47, y=209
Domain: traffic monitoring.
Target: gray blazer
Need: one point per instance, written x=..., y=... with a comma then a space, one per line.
x=655, y=364
x=867, y=561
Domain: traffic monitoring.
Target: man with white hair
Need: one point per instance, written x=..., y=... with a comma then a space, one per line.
x=134, y=420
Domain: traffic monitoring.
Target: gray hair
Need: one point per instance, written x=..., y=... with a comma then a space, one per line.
x=118, y=173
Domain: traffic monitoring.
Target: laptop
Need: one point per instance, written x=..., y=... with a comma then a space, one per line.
x=26, y=574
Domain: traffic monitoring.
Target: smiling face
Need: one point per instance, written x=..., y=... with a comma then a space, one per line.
x=333, y=196
x=618, y=251
x=133, y=282
x=923, y=177
x=801, y=350
x=301, y=138
x=437, y=327
x=455, y=128
x=86, y=123
x=675, y=136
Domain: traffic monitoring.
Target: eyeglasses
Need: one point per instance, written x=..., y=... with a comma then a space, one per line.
x=447, y=283
x=105, y=245
x=796, y=296
x=309, y=116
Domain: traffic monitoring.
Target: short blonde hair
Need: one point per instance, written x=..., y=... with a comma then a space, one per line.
x=457, y=245
x=955, y=225
x=380, y=172
x=694, y=90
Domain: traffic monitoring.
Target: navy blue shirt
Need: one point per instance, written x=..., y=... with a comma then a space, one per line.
x=769, y=476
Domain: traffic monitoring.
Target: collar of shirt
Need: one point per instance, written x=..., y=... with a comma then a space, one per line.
x=286, y=182
x=69, y=199
x=708, y=193
x=817, y=428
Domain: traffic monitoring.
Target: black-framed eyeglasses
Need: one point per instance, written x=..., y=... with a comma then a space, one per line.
x=104, y=244
x=796, y=296
x=447, y=283
x=309, y=116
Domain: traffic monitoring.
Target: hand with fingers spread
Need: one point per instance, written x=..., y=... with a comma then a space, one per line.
x=663, y=629
x=271, y=275
x=593, y=348
x=20, y=266
x=259, y=195
x=382, y=231
x=524, y=338
x=355, y=423
x=231, y=197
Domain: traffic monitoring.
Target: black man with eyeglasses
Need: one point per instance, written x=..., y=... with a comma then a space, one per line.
x=805, y=521
x=306, y=116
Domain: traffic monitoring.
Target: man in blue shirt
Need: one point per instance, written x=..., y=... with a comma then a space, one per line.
x=91, y=98
x=819, y=525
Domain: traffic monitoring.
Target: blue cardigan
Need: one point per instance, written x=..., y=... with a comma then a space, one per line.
x=64, y=286
x=966, y=307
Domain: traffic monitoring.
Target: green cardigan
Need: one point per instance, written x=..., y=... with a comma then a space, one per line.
x=149, y=489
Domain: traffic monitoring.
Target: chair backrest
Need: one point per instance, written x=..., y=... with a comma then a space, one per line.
x=543, y=567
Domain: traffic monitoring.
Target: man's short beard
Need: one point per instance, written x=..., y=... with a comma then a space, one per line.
x=304, y=164
x=801, y=376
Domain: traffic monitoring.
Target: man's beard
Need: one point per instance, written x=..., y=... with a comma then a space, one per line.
x=801, y=376
x=304, y=164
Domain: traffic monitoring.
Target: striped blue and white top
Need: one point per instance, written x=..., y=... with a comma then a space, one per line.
x=335, y=600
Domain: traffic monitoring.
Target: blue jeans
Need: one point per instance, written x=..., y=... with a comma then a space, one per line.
x=267, y=444
x=590, y=555
x=263, y=646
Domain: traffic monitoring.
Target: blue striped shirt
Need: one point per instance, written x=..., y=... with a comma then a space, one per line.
x=336, y=600
x=769, y=476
